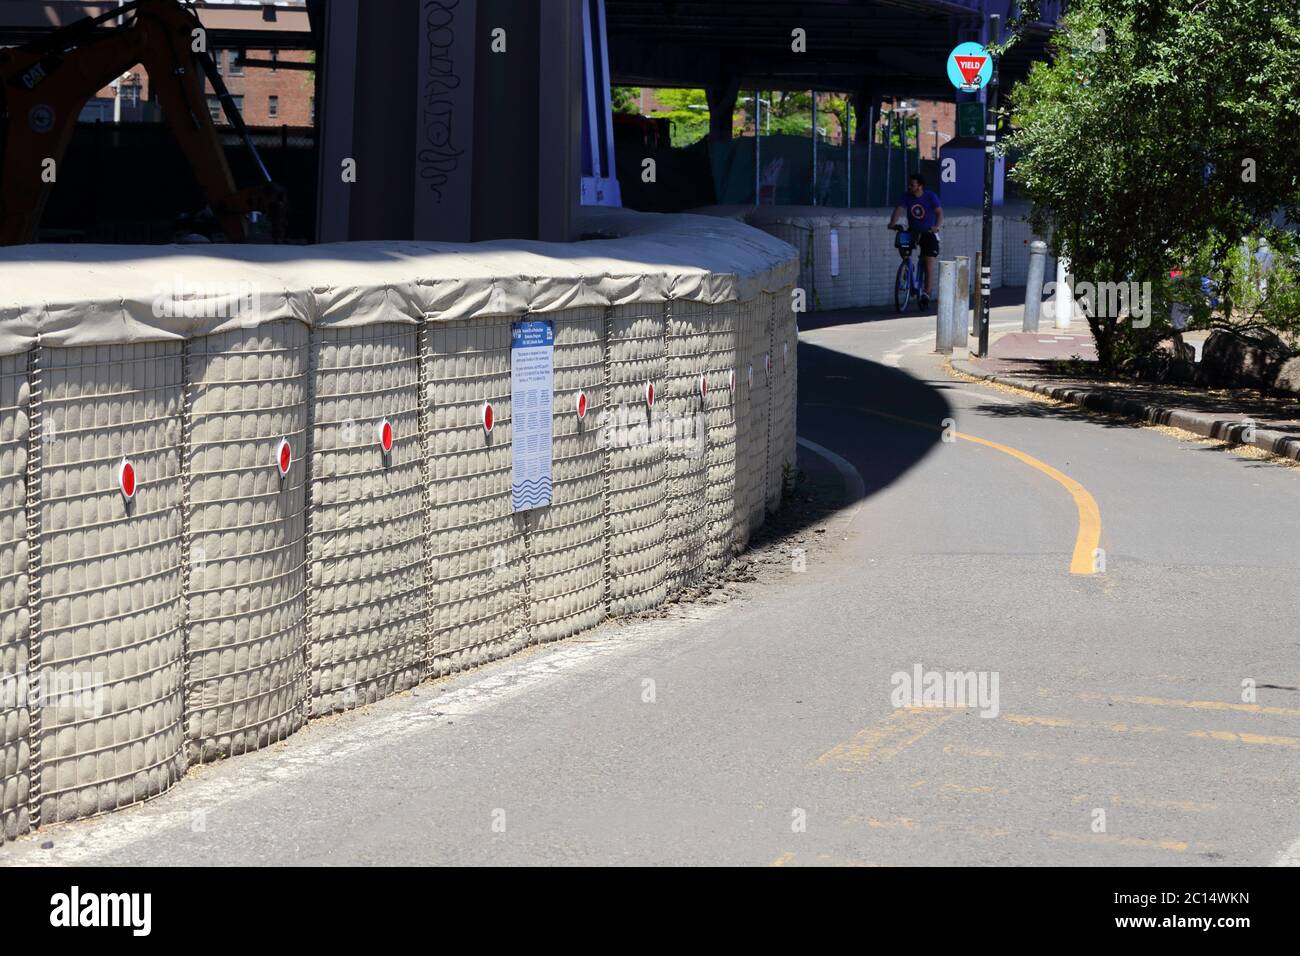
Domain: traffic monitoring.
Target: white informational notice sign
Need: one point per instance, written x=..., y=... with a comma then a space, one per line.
x=532, y=384
x=835, y=252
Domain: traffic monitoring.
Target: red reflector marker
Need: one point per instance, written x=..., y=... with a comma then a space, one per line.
x=126, y=478
x=488, y=417
x=283, y=457
x=580, y=404
x=386, y=436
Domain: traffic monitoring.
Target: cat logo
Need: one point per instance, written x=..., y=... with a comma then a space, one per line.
x=32, y=77
x=41, y=118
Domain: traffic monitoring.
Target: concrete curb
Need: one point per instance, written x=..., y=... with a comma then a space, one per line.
x=1237, y=430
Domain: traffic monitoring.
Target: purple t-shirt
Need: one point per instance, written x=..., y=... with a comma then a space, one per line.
x=920, y=210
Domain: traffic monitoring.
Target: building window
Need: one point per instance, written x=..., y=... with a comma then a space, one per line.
x=275, y=58
x=218, y=115
x=236, y=62
x=219, y=58
x=311, y=110
x=273, y=106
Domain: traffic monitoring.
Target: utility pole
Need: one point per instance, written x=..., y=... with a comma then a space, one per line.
x=990, y=161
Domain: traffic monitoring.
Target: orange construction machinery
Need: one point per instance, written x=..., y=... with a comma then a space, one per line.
x=45, y=84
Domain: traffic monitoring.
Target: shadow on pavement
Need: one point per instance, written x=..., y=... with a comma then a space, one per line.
x=880, y=419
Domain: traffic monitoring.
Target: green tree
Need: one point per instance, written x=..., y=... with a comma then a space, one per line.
x=1159, y=136
x=626, y=99
x=688, y=110
x=791, y=112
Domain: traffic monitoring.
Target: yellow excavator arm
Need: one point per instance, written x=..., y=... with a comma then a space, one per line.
x=45, y=84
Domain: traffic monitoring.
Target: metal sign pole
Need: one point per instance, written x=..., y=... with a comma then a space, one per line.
x=871, y=148
x=990, y=161
x=889, y=154
x=814, y=147
x=848, y=144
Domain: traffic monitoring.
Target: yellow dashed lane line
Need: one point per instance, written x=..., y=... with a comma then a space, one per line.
x=1228, y=736
x=888, y=737
x=1196, y=704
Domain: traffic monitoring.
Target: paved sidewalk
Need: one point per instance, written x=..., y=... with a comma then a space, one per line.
x=1048, y=344
x=1236, y=416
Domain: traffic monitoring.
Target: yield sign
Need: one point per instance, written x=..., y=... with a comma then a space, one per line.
x=969, y=67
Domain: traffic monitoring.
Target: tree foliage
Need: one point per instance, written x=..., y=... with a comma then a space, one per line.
x=625, y=99
x=688, y=110
x=1160, y=135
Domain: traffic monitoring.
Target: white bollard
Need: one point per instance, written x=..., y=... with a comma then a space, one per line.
x=963, y=322
x=945, y=338
x=1034, y=285
x=1063, y=303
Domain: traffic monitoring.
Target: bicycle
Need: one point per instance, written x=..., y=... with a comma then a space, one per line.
x=907, y=283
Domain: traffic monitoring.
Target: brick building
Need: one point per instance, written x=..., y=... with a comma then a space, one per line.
x=269, y=95
x=266, y=95
x=938, y=122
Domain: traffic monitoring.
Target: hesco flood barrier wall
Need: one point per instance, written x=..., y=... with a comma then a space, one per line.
x=242, y=487
x=847, y=258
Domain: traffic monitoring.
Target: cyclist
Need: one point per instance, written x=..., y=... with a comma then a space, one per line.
x=924, y=220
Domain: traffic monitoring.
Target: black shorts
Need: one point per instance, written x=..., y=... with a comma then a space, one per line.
x=927, y=242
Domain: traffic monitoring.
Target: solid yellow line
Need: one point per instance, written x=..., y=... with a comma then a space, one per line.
x=1088, y=538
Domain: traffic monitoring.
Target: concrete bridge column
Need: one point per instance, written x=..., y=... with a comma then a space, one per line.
x=722, y=107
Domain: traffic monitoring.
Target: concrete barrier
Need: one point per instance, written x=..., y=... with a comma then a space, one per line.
x=222, y=605
x=847, y=257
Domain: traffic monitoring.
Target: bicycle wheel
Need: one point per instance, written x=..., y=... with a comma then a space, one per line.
x=903, y=285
